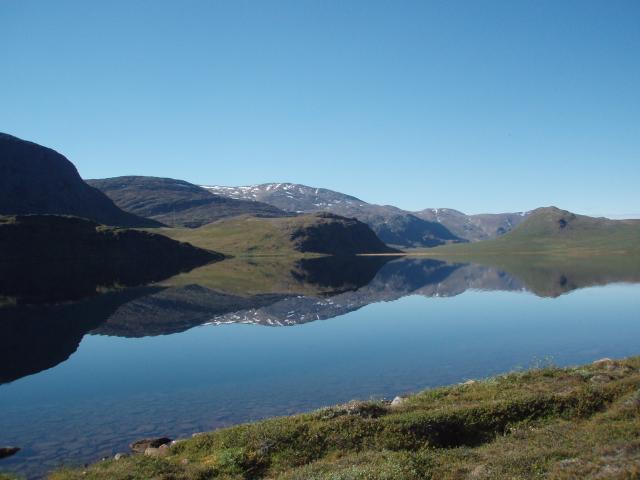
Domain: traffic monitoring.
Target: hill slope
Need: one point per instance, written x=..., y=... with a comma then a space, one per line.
x=322, y=233
x=392, y=225
x=50, y=257
x=176, y=202
x=37, y=180
x=551, y=230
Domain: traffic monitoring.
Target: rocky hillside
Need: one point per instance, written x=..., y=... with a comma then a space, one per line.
x=175, y=202
x=392, y=225
x=37, y=180
x=50, y=257
x=323, y=233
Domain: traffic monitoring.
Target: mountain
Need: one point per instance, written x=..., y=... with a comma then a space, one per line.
x=550, y=231
x=176, y=202
x=322, y=232
x=473, y=228
x=37, y=180
x=51, y=258
x=392, y=225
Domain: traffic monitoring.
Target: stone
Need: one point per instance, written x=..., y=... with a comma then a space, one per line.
x=602, y=362
x=8, y=451
x=119, y=456
x=397, y=401
x=160, y=451
x=141, y=445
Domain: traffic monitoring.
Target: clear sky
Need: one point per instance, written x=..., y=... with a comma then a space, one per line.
x=483, y=106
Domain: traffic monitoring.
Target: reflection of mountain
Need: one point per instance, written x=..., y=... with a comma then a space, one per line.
x=176, y=309
x=36, y=338
x=432, y=278
x=555, y=276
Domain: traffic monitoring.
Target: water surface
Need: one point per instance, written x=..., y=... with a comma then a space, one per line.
x=82, y=380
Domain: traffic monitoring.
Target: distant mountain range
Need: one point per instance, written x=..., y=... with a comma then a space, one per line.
x=175, y=202
x=473, y=228
x=426, y=228
x=37, y=180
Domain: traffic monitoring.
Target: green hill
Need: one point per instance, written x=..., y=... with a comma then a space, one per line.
x=552, y=231
x=320, y=233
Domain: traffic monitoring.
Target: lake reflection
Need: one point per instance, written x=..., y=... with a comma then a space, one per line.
x=81, y=380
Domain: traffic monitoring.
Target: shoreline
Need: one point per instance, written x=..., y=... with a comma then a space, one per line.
x=431, y=433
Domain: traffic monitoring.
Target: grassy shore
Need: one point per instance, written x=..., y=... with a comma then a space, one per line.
x=559, y=423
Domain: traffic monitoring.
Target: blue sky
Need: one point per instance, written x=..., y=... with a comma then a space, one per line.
x=484, y=106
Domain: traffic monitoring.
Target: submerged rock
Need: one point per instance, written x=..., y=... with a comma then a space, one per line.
x=141, y=446
x=8, y=451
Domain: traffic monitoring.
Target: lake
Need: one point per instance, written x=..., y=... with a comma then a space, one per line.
x=244, y=340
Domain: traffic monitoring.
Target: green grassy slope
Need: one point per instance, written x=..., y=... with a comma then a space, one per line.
x=551, y=231
x=285, y=236
x=544, y=423
x=242, y=235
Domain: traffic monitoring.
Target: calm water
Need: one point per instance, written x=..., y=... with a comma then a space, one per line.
x=82, y=380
